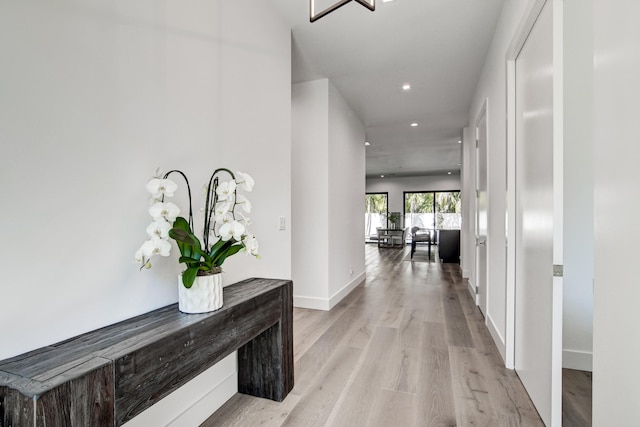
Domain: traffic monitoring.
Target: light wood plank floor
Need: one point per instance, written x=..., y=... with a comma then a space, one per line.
x=576, y=398
x=407, y=348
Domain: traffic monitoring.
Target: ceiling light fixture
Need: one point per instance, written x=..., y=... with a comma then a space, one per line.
x=414, y=125
x=459, y=141
x=366, y=143
x=381, y=176
x=406, y=86
x=313, y=16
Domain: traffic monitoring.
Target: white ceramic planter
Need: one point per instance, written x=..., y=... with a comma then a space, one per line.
x=204, y=295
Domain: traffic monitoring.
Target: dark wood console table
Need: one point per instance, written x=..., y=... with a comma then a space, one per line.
x=108, y=376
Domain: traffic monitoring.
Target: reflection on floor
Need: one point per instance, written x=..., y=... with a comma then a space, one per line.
x=407, y=348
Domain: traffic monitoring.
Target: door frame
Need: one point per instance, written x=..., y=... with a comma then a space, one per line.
x=483, y=115
x=386, y=194
x=518, y=41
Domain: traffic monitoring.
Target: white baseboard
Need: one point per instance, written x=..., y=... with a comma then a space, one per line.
x=575, y=359
x=196, y=400
x=498, y=339
x=472, y=291
x=327, y=304
x=346, y=290
x=466, y=273
x=311, y=302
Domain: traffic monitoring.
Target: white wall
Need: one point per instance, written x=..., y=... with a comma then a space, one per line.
x=396, y=186
x=310, y=190
x=346, y=197
x=327, y=196
x=468, y=202
x=578, y=185
x=93, y=97
x=616, y=336
x=492, y=86
x=578, y=178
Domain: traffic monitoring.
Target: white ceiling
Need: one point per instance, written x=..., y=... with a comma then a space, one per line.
x=437, y=46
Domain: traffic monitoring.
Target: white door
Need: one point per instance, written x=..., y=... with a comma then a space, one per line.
x=536, y=302
x=481, y=211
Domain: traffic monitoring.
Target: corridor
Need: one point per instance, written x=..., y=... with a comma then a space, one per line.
x=406, y=348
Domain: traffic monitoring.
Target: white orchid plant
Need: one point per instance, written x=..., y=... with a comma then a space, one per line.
x=225, y=231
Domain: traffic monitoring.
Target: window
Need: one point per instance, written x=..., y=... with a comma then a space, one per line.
x=448, y=216
x=375, y=213
x=418, y=210
x=433, y=209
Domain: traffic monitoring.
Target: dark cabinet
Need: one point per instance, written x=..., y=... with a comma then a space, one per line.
x=449, y=245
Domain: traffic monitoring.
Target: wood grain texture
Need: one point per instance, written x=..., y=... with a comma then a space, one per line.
x=406, y=348
x=357, y=402
x=85, y=400
x=470, y=389
x=15, y=408
x=576, y=398
x=316, y=403
x=108, y=376
x=435, y=395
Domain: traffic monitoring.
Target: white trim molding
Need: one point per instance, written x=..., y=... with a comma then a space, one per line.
x=497, y=338
x=346, y=290
x=327, y=304
x=579, y=360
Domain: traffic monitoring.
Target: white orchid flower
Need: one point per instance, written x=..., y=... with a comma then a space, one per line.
x=226, y=218
x=246, y=180
x=154, y=200
x=156, y=246
x=142, y=260
x=226, y=189
x=222, y=207
x=168, y=211
x=160, y=228
x=244, y=202
x=158, y=173
x=161, y=187
x=231, y=229
x=244, y=219
x=138, y=256
x=251, y=244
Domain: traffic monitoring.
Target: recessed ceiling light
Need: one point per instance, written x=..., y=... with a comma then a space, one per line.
x=381, y=176
x=406, y=86
x=414, y=124
x=459, y=141
x=387, y=1
x=448, y=173
x=367, y=143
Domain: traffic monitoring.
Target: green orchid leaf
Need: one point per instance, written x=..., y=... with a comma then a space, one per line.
x=182, y=224
x=190, y=261
x=208, y=261
x=185, y=250
x=197, y=247
x=189, y=276
x=218, y=245
x=221, y=246
x=185, y=237
x=232, y=250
